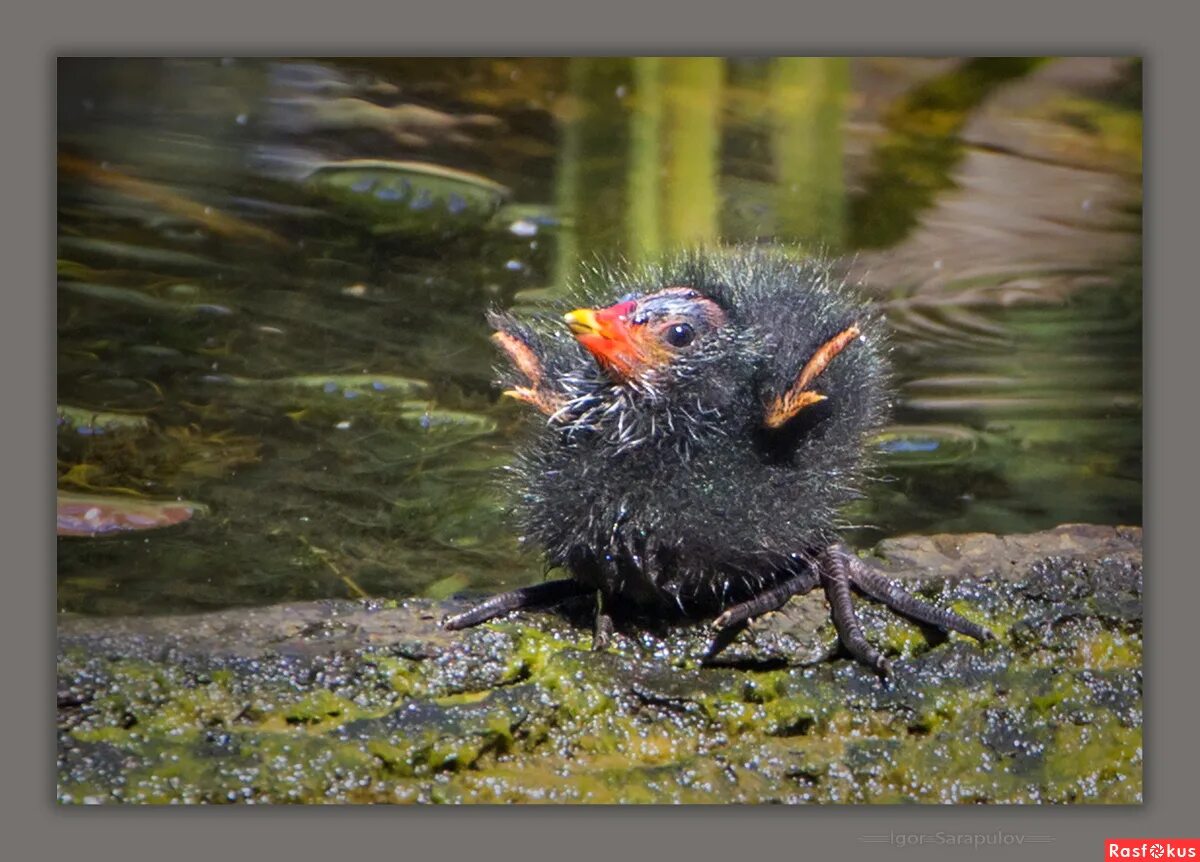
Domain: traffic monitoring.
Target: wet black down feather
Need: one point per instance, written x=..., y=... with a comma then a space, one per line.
x=673, y=494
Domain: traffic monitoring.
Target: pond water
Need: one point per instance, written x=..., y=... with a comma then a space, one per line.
x=273, y=277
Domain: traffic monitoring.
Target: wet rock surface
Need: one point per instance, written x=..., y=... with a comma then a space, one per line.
x=371, y=701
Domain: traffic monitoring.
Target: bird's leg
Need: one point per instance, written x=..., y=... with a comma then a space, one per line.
x=835, y=577
x=840, y=570
x=780, y=411
x=735, y=619
x=874, y=585
x=723, y=638
x=526, y=361
x=602, y=634
x=538, y=595
x=768, y=600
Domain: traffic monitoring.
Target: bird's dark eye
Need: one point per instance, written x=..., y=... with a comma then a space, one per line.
x=680, y=335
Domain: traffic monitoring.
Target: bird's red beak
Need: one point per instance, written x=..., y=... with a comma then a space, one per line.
x=609, y=336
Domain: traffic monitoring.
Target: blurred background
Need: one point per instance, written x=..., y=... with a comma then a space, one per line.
x=273, y=366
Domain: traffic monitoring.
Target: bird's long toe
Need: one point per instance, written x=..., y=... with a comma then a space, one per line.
x=835, y=577
x=723, y=637
x=891, y=594
x=768, y=600
x=538, y=595
x=603, y=631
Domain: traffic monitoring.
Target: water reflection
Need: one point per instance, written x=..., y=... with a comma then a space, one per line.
x=307, y=360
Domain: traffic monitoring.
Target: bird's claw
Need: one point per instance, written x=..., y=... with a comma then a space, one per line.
x=838, y=571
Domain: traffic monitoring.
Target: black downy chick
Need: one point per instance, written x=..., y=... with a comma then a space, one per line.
x=701, y=428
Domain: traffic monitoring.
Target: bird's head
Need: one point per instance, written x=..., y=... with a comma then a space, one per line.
x=651, y=341
x=735, y=347
x=670, y=366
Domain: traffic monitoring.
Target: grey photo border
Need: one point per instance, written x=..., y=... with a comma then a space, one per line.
x=35, y=827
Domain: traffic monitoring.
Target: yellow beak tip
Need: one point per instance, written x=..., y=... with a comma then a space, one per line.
x=581, y=320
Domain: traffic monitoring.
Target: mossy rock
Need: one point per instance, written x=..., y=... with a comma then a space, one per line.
x=373, y=701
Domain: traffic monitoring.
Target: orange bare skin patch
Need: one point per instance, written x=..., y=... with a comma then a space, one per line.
x=525, y=360
x=621, y=347
x=627, y=339
x=799, y=396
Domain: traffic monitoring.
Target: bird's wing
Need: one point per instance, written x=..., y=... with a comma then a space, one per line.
x=804, y=392
x=521, y=346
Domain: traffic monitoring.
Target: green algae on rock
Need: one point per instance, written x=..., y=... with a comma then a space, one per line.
x=372, y=701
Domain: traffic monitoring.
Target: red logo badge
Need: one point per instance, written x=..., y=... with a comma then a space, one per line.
x=1151, y=848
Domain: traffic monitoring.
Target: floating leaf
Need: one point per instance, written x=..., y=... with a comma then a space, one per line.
x=430, y=418
x=86, y=421
x=341, y=384
x=926, y=444
x=96, y=515
x=409, y=197
x=528, y=220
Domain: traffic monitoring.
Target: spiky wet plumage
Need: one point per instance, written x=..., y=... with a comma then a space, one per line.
x=668, y=491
